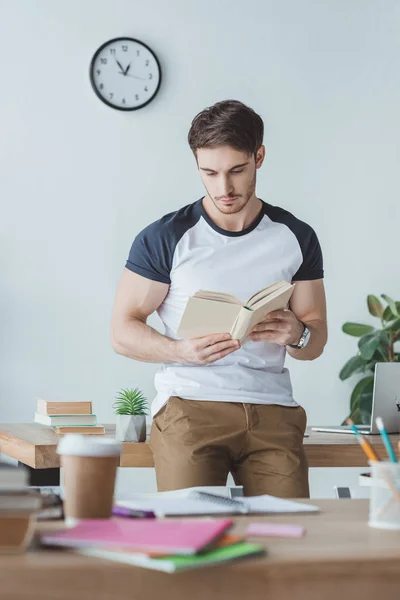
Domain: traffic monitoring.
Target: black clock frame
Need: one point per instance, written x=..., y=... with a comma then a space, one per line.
x=91, y=73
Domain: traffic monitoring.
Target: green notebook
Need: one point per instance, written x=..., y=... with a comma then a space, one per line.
x=174, y=564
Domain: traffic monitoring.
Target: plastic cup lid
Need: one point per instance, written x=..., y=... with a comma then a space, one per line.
x=80, y=445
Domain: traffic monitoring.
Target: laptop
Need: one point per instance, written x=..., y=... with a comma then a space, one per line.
x=385, y=402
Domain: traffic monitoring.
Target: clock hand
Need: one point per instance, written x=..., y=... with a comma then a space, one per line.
x=120, y=66
x=136, y=77
x=127, y=69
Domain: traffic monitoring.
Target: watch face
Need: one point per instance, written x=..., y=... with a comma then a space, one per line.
x=125, y=74
x=306, y=336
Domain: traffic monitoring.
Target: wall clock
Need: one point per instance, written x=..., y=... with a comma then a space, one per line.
x=125, y=73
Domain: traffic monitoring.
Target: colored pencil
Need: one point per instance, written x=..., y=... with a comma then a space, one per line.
x=365, y=445
x=386, y=440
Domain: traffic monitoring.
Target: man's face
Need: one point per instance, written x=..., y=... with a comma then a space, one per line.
x=229, y=176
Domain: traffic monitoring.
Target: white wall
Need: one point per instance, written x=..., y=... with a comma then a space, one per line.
x=78, y=180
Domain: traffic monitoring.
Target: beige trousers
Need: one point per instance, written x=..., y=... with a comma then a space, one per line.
x=198, y=442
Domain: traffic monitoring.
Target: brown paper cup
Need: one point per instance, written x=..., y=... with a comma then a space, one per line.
x=90, y=468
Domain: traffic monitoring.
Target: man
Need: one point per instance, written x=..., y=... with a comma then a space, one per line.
x=220, y=407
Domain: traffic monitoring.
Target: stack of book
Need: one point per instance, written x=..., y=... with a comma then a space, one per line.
x=163, y=545
x=18, y=505
x=68, y=417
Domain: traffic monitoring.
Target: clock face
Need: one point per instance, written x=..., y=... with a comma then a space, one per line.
x=125, y=74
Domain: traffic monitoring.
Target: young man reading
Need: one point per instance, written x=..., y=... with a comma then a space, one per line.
x=221, y=407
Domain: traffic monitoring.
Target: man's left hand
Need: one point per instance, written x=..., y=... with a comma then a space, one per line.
x=279, y=327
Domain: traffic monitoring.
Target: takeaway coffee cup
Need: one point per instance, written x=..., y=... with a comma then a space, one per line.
x=90, y=467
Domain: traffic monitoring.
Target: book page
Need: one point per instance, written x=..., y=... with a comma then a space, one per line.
x=163, y=506
x=242, y=323
x=278, y=301
x=204, y=317
x=270, y=504
x=271, y=297
x=266, y=292
x=208, y=295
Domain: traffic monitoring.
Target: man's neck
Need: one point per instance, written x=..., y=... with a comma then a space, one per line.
x=236, y=221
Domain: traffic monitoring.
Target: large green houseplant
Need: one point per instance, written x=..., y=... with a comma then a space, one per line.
x=375, y=344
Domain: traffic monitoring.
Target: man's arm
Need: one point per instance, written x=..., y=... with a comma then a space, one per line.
x=136, y=299
x=308, y=306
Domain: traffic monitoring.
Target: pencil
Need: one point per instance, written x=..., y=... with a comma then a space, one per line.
x=370, y=452
x=365, y=445
x=386, y=440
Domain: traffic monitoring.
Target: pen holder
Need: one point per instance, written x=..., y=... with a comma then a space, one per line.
x=384, y=504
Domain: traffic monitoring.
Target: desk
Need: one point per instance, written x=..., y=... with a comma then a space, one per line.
x=35, y=445
x=339, y=557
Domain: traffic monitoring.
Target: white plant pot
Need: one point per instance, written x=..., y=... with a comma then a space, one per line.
x=130, y=428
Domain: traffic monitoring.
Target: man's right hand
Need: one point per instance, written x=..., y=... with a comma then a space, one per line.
x=205, y=350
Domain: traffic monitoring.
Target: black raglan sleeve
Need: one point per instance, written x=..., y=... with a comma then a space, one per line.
x=312, y=265
x=150, y=254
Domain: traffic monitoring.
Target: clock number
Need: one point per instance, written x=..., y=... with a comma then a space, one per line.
x=112, y=50
x=103, y=61
x=123, y=101
x=98, y=71
x=146, y=89
x=137, y=52
x=124, y=48
x=147, y=63
x=111, y=96
x=101, y=86
x=136, y=96
x=150, y=76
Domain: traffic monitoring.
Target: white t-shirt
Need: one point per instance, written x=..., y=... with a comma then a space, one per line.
x=188, y=251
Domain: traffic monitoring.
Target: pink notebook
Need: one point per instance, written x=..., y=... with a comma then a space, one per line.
x=142, y=535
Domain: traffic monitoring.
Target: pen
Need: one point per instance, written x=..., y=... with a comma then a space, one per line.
x=386, y=440
x=365, y=445
x=132, y=513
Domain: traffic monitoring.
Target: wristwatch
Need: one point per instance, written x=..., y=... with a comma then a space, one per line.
x=305, y=338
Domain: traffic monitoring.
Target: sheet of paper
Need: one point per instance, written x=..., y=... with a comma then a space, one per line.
x=275, y=530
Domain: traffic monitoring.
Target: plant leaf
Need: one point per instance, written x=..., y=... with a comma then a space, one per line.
x=388, y=315
x=359, y=388
x=130, y=402
x=385, y=337
x=368, y=344
x=394, y=327
x=357, y=329
x=392, y=305
x=354, y=416
x=354, y=365
x=374, y=306
x=366, y=403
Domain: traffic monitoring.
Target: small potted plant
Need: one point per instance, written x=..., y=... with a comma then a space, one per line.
x=131, y=409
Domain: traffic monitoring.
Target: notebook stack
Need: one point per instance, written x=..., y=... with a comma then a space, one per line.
x=162, y=545
x=17, y=507
x=68, y=417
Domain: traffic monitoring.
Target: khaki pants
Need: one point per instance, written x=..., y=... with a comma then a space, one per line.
x=197, y=442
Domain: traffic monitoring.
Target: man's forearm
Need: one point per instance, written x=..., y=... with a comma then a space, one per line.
x=315, y=347
x=141, y=342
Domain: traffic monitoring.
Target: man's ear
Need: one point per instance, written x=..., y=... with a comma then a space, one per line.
x=260, y=155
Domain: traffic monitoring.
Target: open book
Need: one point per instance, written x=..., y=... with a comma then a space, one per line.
x=194, y=501
x=212, y=312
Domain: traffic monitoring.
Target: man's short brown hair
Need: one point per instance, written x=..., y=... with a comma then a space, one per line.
x=227, y=123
